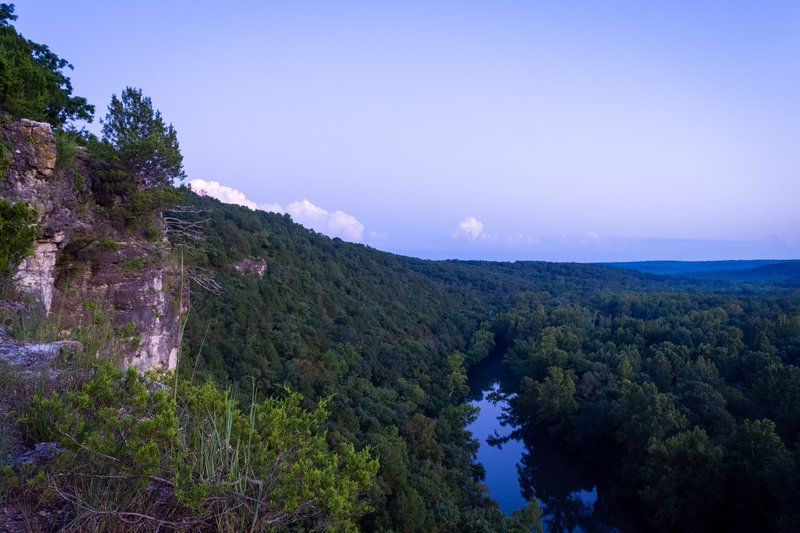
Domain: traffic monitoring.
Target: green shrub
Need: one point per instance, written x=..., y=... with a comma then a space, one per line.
x=132, y=264
x=33, y=84
x=66, y=149
x=135, y=458
x=108, y=245
x=5, y=159
x=17, y=226
x=132, y=210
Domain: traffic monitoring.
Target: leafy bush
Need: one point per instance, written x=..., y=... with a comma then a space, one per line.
x=5, y=159
x=33, y=84
x=133, y=264
x=17, y=226
x=108, y=245
x=68, y=143
x=138, y=209
x=134, y=457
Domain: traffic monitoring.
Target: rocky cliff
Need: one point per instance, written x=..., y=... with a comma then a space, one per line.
x=82, y=270
x=30, y=176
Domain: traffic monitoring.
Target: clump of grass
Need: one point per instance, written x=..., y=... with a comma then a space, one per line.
x=66, y=149
x=135, y=458
x=108, y=245
x=133, y=264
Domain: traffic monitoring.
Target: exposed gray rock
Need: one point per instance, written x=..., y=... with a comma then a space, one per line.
x=42, y=453
x=142, y=294
x=143, y=301
x=35, y=274
x=36, y=358
x=31, y=177
x=70, y=349
x=256, y=267
x=33, y=151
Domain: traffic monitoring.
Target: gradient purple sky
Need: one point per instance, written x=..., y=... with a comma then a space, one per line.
x=570, y=131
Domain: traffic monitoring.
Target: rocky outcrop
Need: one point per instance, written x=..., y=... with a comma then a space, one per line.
x=257, y=267
x=130, y=284
x=31, y=176
x=41, y=454
x=33, y=152
x=35, y=274
x=35, y=359
x=80, y=264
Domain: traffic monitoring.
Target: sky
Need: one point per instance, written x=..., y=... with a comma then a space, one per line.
x=502, y=130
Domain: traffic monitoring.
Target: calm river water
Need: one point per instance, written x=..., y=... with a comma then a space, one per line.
x=523, y=464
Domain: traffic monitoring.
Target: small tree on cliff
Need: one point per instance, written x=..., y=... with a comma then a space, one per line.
x=147, y=149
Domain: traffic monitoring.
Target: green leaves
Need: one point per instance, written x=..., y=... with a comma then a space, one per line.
x=215, y=466
x=32, y=80
x=146, y=148
x=276, y=457
x=17, y=226
x=456, y=375
x=682, y=475
x=686, y=400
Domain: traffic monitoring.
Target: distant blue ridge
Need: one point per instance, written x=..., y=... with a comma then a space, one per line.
x=755, y=270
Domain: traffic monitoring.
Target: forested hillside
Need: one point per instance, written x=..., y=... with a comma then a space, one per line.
x=776, y=272
x=687, y=404
x=389, y=338
x=375, y=332
x=370, y=330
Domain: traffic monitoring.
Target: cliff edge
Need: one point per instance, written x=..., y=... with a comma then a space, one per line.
x=83, y=268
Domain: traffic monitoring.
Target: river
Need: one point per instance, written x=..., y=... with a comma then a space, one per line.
x=522, y=463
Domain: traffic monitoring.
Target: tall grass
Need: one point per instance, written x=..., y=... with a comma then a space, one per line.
x=133, y=459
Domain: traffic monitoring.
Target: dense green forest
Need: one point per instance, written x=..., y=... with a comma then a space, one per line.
x=684, y=391
x=369, y=330
x=688, y=402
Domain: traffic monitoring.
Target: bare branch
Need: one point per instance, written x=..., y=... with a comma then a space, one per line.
x=204, y=280
x=181, y=221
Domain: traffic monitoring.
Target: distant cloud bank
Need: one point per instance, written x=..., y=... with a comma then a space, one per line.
x=472, y=229
x=334, y=224
x=224, y=194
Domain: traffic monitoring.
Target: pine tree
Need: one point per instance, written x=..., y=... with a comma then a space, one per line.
x=147, y=149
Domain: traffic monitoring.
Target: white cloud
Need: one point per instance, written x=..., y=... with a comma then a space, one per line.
x=333, y=224
x=470, y=228
x=223, y=193
x=592, y=235
x=272, y=208
x=473, y=229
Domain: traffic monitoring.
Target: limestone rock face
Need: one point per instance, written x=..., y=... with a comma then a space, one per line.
x=35, y=274
x=257, y=267
x=70, y=272
x=30, y=176
x=134, y=286
x=34, y=359
x=33, y=147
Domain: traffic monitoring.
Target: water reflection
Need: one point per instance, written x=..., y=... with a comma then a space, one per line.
x=501, y=457
x=524, y=464
x=566, y=492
